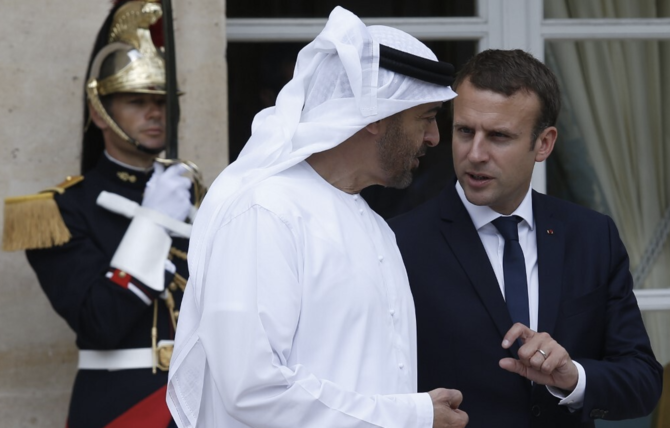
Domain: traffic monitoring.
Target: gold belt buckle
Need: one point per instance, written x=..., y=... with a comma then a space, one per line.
x=164, y=354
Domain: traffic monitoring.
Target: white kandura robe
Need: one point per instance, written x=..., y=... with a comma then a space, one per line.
x=307, y=316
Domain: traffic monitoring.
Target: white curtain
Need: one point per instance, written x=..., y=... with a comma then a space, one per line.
x=614, y=137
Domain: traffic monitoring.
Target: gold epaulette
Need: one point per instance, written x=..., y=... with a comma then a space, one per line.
x=34, y=221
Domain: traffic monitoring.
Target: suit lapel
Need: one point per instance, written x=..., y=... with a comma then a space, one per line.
x=463, y=239
x=550, y=234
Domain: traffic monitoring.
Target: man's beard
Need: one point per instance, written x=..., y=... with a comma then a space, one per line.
x=397, y=154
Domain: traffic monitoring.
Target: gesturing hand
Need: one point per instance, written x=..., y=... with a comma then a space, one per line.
x=541, y=359
x=445, y=408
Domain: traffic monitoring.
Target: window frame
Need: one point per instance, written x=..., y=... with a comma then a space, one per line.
x=499, y=24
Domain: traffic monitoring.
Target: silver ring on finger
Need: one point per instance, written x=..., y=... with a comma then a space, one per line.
x=544, y=354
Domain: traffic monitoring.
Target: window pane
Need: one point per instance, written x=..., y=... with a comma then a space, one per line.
x=256, y=73
x=598, y=9
x=373, y=8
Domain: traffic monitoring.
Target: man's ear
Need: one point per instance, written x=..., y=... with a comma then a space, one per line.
x=96, y=118
x=546, y=141
x=374, y=128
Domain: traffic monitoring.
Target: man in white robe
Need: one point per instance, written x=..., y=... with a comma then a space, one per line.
x=298, y=311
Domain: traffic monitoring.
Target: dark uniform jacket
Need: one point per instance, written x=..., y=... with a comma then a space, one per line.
x=586, y=303
x=103, y=314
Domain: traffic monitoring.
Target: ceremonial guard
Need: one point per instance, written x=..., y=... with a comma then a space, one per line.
x=109, y=246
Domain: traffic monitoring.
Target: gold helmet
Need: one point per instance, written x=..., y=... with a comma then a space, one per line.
x=130, y=62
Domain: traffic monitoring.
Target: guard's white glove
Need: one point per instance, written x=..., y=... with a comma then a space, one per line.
x=168, y=191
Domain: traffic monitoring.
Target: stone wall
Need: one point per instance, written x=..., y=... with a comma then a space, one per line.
x=44, y=49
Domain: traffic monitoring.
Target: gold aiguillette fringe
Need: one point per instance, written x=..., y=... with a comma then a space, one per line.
x=33, y=221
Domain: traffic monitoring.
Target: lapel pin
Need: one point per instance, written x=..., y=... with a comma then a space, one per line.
x=550, y=231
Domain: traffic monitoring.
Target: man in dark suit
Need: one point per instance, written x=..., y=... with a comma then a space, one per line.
x=536, y=323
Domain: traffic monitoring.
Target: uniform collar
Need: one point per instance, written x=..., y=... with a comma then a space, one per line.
x=123, y=174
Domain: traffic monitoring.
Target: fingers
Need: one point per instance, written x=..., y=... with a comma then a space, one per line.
x=444, y=417
x=168, y=191
x=536, y=347
x=176, y=174
x=158, y=168
x=451, y=397
x=531, y=370
x=512, y=365
x=172, y=171
x=456, y=419
x=170, y=178
x=455, y=398
x=541, y=359
x=445, y=405
x=175, y=170
x=518, y=331
x=158, y=171
x=541, y=352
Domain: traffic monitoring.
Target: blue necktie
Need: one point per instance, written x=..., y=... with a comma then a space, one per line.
x=514, y=270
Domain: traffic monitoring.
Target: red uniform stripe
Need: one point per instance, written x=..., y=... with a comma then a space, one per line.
x=152, y=412
x=120, y=278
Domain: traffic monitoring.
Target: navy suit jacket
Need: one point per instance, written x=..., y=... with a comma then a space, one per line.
x=586, y=303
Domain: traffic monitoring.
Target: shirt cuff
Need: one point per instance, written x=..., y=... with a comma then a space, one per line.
x=424, y=410
x=575, y=400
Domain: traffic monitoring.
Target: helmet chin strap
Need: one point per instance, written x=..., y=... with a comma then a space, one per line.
x=94, y=98
x=143, y=149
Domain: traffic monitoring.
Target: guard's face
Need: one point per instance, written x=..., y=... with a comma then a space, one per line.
x=141, y=116
x=406, y=138
x=493, y=155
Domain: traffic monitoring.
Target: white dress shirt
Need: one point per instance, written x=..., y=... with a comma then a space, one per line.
x=307, y=317
x=494, y=244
